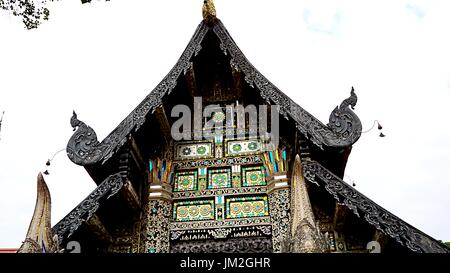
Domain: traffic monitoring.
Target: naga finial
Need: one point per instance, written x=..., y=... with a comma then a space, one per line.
x=83, y=146
x=209, y=11
x=74, y=121
x=350, y=101
x=345, y=123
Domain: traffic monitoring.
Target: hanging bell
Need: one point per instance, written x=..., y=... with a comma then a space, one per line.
x=379, y=126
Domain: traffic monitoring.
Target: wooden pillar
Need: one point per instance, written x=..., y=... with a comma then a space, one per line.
x=279, y=198
x=279, y=205
x=157, y=211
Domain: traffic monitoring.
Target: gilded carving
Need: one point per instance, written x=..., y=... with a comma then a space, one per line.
x=279, y=205
x=157, y=233
x=40, y=238
x=305, y=235
x=249, y=245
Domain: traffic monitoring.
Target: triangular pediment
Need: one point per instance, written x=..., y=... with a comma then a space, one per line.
x=343, y=129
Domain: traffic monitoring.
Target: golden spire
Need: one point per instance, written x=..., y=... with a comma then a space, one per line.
x=305, y=233
x=300, y=198
x=39, y=236
x=209, y=11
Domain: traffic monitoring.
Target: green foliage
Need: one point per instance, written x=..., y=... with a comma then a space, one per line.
x=32, y=12
x=445, y=243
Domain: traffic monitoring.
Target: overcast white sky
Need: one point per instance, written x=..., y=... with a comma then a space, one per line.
x=103, y=58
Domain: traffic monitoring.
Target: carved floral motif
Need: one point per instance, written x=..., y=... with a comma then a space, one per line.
x=158, y=226
x=279, y=205
x=249, y=245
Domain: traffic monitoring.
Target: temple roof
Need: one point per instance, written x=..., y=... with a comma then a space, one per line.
x=403, y=233
x=344, y=127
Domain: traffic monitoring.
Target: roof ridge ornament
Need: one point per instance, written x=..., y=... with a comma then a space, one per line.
x=344, y=122
x=209, y=12
x=83, y=147
x=350, y=101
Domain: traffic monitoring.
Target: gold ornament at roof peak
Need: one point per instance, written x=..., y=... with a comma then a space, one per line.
x=209, y=11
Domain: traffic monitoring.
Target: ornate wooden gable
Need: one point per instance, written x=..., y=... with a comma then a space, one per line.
x=226, y=193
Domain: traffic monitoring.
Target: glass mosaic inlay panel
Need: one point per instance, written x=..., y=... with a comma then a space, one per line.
x=219, y=178
x=253, y=176
x=193, y=150
x=239, y=147
x=218, y=117
x=193, y=210
x=240, y=207
x=185, y=181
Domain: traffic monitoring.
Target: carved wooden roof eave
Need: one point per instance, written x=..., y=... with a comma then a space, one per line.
x=384, y=221
x=343, y=129
x=68, y=225
x=405, y=234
